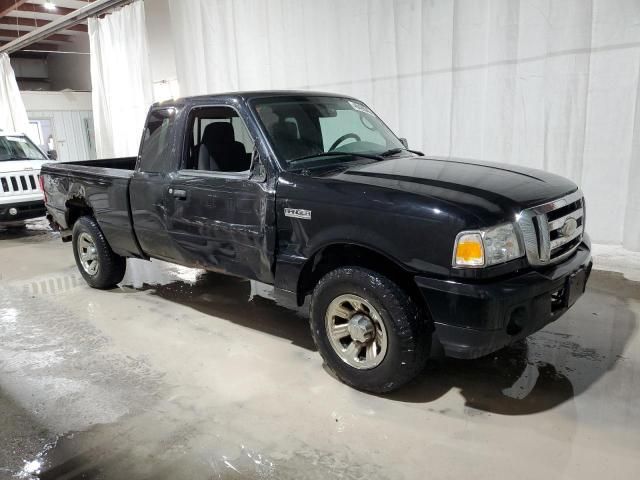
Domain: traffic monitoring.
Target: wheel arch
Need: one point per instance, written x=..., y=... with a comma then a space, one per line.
x=76, y=207
x=342, y=254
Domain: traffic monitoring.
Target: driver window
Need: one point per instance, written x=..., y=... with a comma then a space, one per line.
x=349, y=121
x=219, y=141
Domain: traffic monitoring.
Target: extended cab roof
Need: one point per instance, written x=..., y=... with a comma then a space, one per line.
x=246, y=95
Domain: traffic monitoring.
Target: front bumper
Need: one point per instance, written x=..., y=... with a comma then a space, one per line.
x=475, y=319
x=24, y=211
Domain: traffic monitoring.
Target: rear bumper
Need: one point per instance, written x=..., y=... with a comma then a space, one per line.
x=472, y=320
x=23, y=211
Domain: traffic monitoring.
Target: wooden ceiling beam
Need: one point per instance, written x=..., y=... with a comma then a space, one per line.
x=37, y=46
x=56, y=37
x=74, y=17
x=37, y=22
x=7, y=6
x=37, y=8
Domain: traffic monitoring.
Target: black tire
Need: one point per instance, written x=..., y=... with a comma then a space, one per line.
x=408, y=331
x=111, y=267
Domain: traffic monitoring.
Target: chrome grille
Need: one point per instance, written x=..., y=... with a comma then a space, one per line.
x=19, y=183
x=553, y=231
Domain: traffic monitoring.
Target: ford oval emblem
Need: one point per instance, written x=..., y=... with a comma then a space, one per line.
x=569, y=227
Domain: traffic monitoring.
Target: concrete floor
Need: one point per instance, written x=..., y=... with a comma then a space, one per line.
x=180, y=374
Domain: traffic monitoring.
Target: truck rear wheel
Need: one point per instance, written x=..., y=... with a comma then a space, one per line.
x=368, y=330
x=98, y=264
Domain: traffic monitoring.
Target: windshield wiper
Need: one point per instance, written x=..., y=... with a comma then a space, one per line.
x=336, y=154
x=391, y=151
x=394, y=151
x=374, y=156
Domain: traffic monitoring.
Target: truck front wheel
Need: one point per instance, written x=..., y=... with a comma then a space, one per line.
x=98, y=264
x=368, y=330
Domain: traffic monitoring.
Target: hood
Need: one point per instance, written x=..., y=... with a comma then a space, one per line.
x=19, y=166
x=491, y=187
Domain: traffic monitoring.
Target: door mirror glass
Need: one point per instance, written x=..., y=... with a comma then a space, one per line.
x=52, y=154
x=404, y=142
x=258, y=172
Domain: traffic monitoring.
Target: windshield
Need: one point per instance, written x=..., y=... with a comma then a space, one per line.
x=317, y=129
x=18, y=147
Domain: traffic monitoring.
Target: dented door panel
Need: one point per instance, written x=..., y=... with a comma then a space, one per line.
x=223, y=222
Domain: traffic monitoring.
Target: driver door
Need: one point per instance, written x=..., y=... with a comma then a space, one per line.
x=223, y=220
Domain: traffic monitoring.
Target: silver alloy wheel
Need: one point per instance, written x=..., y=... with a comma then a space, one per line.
x=88, y=254
x=356, y=331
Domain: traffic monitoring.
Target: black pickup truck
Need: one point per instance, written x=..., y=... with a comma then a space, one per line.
x=401, y=254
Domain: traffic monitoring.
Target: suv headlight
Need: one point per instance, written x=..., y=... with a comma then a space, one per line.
x=483, y=248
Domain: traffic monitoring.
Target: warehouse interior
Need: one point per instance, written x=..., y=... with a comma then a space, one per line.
x=181, y=371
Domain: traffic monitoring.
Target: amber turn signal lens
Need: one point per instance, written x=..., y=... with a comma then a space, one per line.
x=469, y=250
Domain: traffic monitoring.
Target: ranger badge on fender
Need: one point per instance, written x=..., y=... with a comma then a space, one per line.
x=297, y=213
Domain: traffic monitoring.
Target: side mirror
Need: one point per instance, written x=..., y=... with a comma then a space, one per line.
x=258, y=172
x=404, y=142
x=52, y=154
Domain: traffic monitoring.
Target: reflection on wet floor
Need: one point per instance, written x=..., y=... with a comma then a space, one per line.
x=182, y=373
x=519, y=379
x=37, y=230
x=240, y=301
x=105, y=451
x=529, y=377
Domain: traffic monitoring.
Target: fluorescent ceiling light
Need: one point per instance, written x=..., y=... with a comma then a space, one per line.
x=50, y=5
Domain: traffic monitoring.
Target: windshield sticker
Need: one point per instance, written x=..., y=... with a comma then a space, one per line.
x=17, y=139
x=360, y=107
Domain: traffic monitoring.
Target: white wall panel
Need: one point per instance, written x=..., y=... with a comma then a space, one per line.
x=550, y=84
x=70, y=133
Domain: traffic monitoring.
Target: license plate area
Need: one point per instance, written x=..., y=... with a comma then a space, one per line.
x=569, y=293
x=559, y=299
x=575, y=286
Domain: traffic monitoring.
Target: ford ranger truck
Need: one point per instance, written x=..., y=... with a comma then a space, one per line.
x=400, y=254
x=21, y=197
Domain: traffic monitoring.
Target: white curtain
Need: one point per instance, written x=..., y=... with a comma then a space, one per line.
x=122, y=90
x=13, y=115
x=551, y=84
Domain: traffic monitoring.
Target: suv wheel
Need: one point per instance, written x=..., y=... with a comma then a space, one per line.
x=98, y=264
x=368, y=330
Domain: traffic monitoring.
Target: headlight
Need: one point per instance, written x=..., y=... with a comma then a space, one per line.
x=482, y=248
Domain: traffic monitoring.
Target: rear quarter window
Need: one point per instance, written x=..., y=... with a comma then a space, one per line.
x=157, y=141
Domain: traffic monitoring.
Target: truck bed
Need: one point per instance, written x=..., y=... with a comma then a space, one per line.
x=97, y=187
x=110, y=167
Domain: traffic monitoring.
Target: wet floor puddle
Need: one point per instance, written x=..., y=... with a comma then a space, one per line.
x=102, y=453
x=532, y=376
x=515, y=381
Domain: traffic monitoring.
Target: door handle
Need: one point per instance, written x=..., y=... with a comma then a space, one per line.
x=179, y=194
